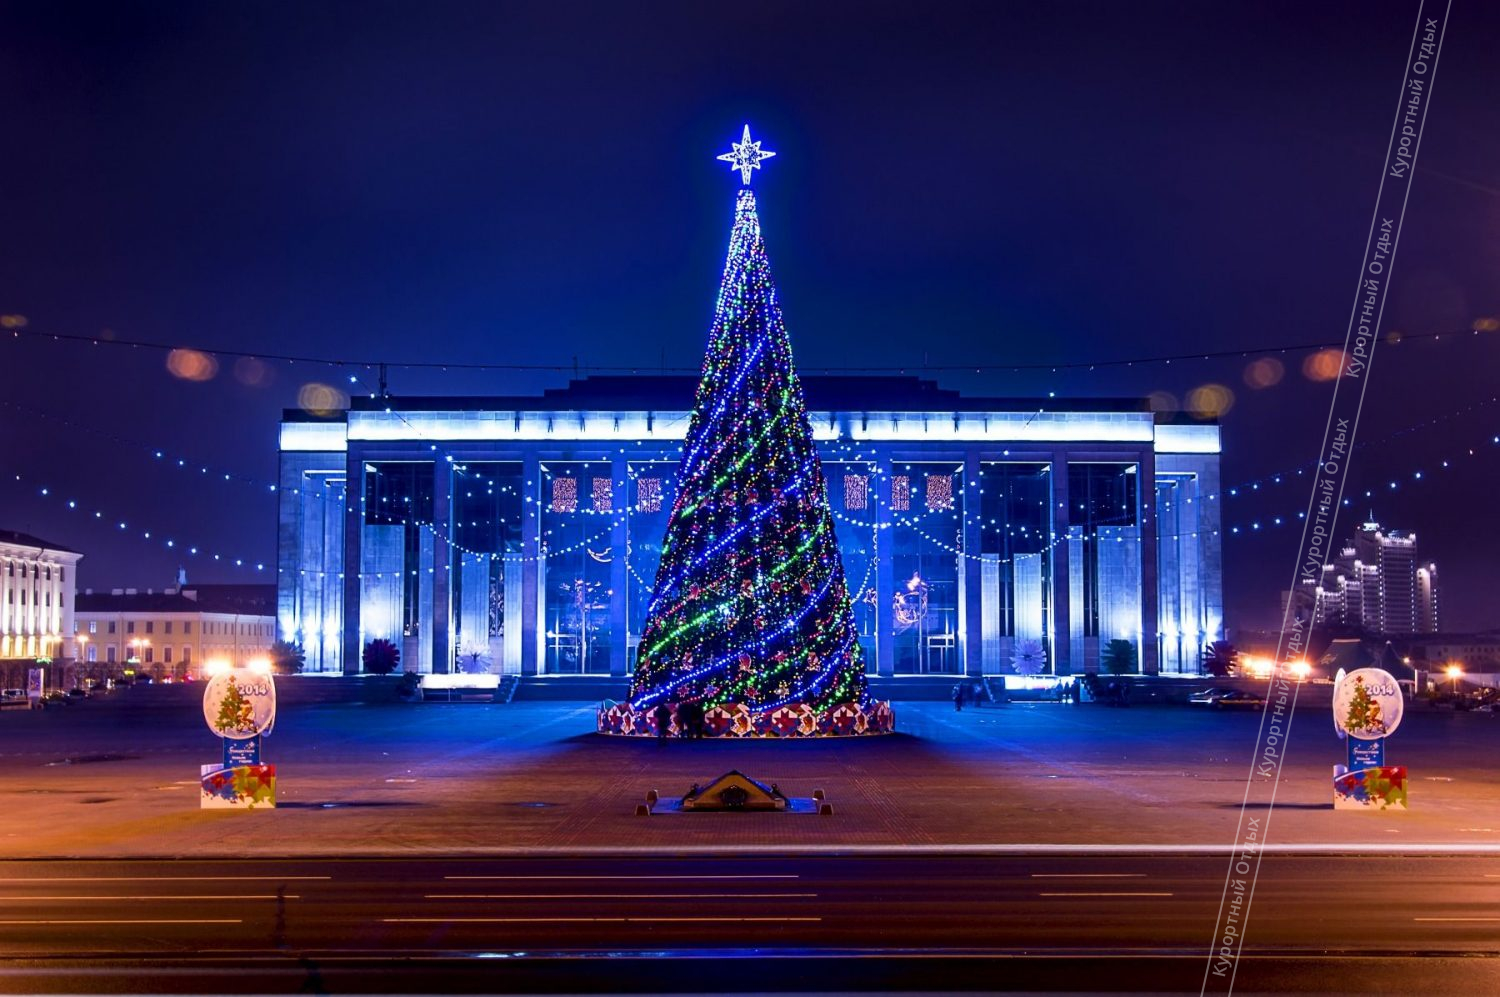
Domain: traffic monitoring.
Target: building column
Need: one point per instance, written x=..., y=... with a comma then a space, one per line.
x=1061, y=624
x=1150, y=590
x=531, y=573
x=354, y=517
x=619, y=651
x=885, y=569
x=971, y=601
x=442, y=566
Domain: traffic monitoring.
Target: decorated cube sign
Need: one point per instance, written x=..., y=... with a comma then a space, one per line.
x=239, y=705
x=1367, y=708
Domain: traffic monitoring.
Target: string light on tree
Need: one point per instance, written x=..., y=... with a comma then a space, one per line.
x=750, y=603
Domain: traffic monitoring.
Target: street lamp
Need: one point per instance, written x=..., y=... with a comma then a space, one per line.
x=1455, y=672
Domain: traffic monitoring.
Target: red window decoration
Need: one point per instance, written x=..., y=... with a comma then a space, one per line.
x=564, y=494
x=604, y=494
x=939, y=491
x=856, y=491
x=648, y=494
x=900, y=492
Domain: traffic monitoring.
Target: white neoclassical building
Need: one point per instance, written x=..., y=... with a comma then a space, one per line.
x=37, y=581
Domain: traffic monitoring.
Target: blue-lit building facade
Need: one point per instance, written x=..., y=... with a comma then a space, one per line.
x=521, y=535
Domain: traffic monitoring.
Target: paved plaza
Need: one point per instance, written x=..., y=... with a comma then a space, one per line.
x=118, y=776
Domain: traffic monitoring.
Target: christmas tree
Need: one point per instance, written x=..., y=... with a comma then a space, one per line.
x=750, y=603
x=1363, y=717
x=235, y=712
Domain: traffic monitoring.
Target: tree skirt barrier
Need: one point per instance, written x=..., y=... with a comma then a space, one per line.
x=738, y=720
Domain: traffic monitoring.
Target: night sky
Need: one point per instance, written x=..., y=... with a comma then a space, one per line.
x=954, y=185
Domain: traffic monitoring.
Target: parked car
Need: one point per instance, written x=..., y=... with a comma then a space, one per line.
x=76, y=693
x=54, y=700
x=1226, y=698
x=1238, y=699
x=13, y=697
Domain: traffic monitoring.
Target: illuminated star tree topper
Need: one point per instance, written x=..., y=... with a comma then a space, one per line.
x=746, y=156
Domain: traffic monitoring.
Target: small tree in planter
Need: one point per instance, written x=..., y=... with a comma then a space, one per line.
x=287, y=658
x=409, y=689
x=1118, y=657
x=1221, y=659
x=381, y=657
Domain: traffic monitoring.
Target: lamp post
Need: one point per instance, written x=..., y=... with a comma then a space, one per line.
x=1455, y=672
x=82, y=641
x=138, y=647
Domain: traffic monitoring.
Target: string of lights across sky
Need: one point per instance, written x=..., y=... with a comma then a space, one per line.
x=1393, y=338
x=162, y=458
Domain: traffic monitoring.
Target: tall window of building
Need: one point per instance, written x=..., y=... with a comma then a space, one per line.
x=575, y=576
x=93, y=626
x=166, y=654
x=150, y=626
x=1015, y=567
x=1104, y=558
x=109, y=653
x=111, y=626
x=130, y=626
x=488, y=506
x=397, y=550
x=187, y=626
x=651, y=488
x=927, y=518
x=167, y=627
x=853, y=500
x=187, y=654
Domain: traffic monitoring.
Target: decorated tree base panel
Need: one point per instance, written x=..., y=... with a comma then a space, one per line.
x=1382, y=788
x=238, y=787
x=794, y=720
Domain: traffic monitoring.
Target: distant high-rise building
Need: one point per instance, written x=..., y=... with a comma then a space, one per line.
x=1378, y=584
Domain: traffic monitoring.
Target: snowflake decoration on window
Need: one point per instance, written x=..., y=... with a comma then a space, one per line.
x=604, y=494
x=901, y=492
x=564, y=494
x=856, y=491
x=939, y=491
x=648, y=494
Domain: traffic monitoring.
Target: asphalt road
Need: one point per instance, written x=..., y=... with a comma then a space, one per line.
x=1353, y=923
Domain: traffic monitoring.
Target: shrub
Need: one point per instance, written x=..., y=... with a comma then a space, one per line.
x=287, y=658
x=1118, y=657
x=1221, y=658
x=381, y=657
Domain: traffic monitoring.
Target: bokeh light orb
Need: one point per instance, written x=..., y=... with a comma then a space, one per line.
x=1323, y=365
x=1209, y=401
x=192, y=365
x=1264, y=373
x=252, y=372
x=1163, y=401
x=321, y=399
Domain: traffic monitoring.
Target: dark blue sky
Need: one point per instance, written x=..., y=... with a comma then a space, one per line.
x=955, y=184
